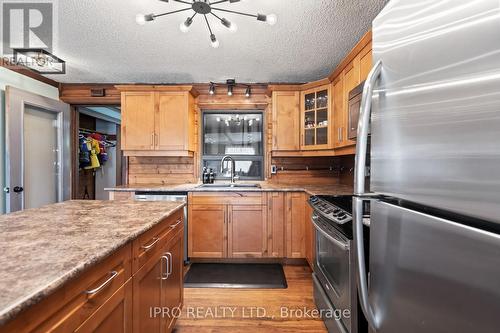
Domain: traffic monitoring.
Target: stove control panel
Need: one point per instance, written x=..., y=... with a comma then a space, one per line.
x=329, y=210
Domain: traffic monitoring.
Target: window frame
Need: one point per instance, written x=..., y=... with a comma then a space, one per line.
x=257, y=158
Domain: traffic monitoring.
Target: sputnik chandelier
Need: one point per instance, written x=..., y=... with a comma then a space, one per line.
x=206, y=7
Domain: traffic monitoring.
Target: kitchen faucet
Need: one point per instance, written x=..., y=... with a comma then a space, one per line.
x=228, y=158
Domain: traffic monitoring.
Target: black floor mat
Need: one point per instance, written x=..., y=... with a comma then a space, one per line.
x=249, y=276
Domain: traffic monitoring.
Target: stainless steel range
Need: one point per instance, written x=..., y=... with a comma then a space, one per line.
x=334, y=277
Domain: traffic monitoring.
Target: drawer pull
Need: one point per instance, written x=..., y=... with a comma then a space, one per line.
x=175, y=225
x=103, y=285
x=153, y=243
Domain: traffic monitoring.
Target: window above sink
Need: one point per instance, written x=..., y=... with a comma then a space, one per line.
x=238, y=134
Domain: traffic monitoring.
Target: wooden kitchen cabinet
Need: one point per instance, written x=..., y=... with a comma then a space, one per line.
x=316, y=118
x=207, y=235
x=227, y=225
x=276, y=224
x=113, y=316
x=247, y=231
x=295, y=225
x=158, y=120
x=138, y=120
x=173, y=286
x=158, y=283
x=310, y=234
x=286, y=120
x=365, y=62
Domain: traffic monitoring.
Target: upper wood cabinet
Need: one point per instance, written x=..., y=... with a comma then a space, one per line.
x=138, y=120
x=158, y=120
x=316, y=118
x=286, y=120
x=353, y=74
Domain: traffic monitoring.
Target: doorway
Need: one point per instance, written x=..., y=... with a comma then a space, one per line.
x=99, y=159
x=37, y=149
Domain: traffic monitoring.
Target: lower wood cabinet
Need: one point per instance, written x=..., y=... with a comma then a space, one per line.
x=247, y=225
x=207, y=232
x=119, y=293
x=247, y=231
x=310, y=233
x=295, y=225
x=115, y=315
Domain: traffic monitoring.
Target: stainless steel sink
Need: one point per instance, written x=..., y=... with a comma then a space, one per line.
x=225, y=185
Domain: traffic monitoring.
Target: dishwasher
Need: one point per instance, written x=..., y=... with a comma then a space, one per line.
x=169, y=196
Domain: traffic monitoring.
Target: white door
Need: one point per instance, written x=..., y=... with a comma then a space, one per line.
x=38, y=152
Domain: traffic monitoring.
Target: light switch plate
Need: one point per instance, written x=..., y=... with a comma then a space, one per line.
x=274, y=169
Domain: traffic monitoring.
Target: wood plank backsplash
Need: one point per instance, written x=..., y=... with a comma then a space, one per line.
x=313, y=170
x=161, y=170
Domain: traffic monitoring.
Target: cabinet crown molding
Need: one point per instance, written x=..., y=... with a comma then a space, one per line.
x=135, y=87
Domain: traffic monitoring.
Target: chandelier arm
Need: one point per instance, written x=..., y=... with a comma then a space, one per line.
x=208, y=24
x=175, y=11
x=216, y=16
x=187, y=3
x=234, y=12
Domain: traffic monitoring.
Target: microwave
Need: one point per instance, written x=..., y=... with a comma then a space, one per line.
x=353, y=110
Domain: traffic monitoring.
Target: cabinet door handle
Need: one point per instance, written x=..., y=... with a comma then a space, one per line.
x=170, y=261
x=173, y=226
x=152, y=139
x=149, y=246
x=164, y=276
x=113, y=274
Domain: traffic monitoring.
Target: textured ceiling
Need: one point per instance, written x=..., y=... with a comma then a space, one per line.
x=102, y=43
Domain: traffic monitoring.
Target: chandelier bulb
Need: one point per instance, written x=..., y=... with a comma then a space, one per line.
x=214, y=42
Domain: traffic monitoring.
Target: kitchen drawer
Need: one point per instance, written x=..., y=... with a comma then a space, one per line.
x=67, y=308
x=148, y=244
x=227, y=198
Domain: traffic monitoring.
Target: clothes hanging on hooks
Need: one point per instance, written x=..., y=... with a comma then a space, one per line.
x=92, y=146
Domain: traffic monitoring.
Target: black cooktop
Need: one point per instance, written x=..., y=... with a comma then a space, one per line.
x=343, y=202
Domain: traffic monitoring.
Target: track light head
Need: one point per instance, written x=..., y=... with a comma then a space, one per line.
x=248, y=92
x=230, y=90
x=211, y=90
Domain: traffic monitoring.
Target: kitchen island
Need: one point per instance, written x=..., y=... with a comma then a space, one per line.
x=69, y=265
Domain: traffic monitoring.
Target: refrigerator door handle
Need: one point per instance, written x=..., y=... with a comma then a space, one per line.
x=363, y=124
x=359, y=191
x=359, y=248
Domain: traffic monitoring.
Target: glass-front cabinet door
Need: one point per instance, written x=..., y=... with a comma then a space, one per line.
x=316, y=119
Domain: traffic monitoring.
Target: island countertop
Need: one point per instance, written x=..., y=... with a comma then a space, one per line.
x=43, y=248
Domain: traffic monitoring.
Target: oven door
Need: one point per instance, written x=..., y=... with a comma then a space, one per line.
x=332, y=265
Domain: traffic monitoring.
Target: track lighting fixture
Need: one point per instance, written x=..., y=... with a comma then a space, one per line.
x=205, y=8
x=230, y=84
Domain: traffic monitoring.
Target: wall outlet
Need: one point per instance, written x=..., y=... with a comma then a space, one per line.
x=274, y=169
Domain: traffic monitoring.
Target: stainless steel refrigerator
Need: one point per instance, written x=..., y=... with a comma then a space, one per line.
x=432, y=102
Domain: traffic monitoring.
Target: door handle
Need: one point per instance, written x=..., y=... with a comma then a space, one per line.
x=18, y=189
x=364, y=122
x=164, y=276
x=359, y=192
x=170, y=263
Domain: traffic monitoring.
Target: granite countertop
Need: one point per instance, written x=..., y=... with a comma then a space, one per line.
x=336, y=189
x=45, y=247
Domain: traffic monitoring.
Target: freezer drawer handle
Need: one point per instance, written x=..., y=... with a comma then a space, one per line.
x=359, y=193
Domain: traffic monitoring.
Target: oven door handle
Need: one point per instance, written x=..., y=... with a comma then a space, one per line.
x=340, y=244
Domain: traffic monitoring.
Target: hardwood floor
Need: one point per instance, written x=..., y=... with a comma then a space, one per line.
x=262, y=310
